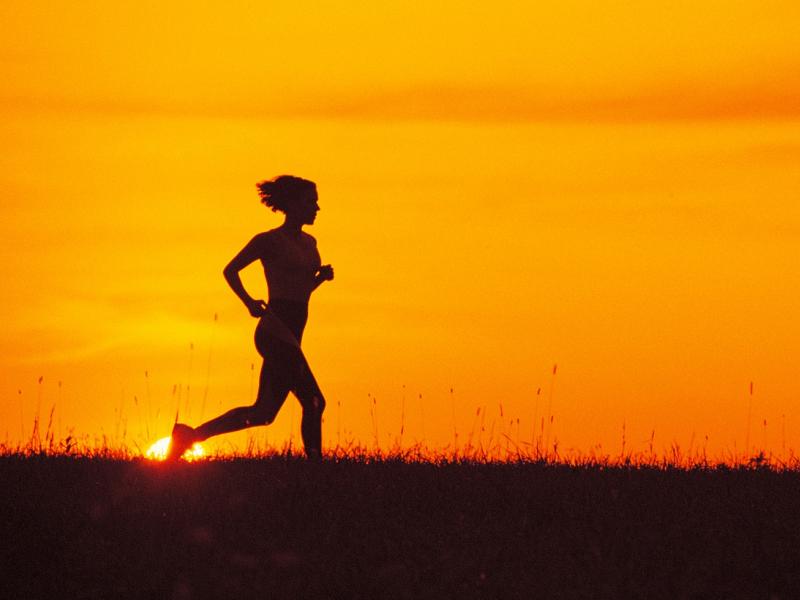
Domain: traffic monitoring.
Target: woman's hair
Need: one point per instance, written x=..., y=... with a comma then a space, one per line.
x=282, y=192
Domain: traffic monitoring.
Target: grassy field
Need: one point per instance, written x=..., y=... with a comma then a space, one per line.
x=280, y=527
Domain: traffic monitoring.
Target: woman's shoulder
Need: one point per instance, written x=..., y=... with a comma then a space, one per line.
x=267, y=236
x=276, y=237
x=264, y=242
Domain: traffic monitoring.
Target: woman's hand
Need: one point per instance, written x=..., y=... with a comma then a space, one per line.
x=257, y=308
x=325, y=273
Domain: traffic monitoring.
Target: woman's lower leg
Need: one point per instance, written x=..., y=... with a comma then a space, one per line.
x=311, y=427
x=233, y=420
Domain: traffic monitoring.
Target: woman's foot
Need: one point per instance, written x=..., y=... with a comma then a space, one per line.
x=181, y=440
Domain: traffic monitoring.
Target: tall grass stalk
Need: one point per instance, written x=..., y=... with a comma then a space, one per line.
x=550, y=406
x=535, y=415
x=402, y=418
x=749, y=417
x=208, y=366
x=21, y=415
x=189, y=378
x=455, y=429
x=373, y=412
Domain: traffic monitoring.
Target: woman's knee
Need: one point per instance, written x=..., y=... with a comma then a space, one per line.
x=314, y=403
x=261, y=415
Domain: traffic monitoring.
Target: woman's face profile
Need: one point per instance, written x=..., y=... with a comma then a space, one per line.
x=307, y=207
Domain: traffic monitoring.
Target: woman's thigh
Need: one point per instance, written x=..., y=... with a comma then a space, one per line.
x=274, y=384
x=285, y=369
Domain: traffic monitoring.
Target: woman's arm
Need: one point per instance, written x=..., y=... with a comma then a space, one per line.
x=247, y=255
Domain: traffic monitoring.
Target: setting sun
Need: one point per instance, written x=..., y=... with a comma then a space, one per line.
x=158, y=451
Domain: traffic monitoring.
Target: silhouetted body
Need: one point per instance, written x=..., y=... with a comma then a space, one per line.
x=293, y=271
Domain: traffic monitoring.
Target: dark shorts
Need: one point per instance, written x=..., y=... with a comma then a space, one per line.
x=285, y=368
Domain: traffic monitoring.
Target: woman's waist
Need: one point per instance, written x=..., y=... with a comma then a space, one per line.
x=294, y=304
x=293, y=313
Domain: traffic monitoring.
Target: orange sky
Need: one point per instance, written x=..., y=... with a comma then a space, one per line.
x=612, y=189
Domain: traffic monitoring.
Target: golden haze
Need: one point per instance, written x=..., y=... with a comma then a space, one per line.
x=610, y=189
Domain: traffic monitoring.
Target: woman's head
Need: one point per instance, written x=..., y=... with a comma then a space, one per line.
x=289, y=194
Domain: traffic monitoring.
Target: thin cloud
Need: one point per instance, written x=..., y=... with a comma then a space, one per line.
x=464, y=103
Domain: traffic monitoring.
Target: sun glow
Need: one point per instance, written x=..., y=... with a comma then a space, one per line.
x=158, y=451
x=504, y=186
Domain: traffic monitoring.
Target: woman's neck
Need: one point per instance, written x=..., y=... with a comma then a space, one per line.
x=292, y=226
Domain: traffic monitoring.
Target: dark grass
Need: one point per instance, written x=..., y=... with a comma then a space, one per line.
x=283, y=528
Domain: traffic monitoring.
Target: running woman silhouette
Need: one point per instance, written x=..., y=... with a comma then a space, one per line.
x=293, y=270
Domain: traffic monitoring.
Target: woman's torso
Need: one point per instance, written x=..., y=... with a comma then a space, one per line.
x=290, y=266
